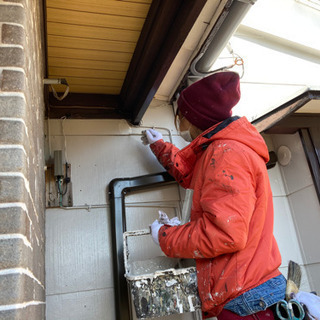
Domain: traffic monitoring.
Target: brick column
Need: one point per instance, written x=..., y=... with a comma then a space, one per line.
x=22, y=186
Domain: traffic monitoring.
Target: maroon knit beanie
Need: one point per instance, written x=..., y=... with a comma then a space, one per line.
x=210, y=100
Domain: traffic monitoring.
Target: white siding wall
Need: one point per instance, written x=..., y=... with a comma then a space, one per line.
x=79, y=275
x=301, y=199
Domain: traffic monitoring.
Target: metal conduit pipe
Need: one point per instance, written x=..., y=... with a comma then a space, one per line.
x=222, y=31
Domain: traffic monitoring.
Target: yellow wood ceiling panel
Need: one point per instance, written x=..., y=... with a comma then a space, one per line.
x=94, y=85
x=88, y=54
x=91, y=43
x=74, y=81
x=88, y=89
x=90, y=64
x=123, y=8
x=89, y=32
x=87, y=73
x=94, y=19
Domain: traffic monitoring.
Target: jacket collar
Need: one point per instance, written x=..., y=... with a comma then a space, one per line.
x=202, y=142
x=219, y=127
x=188, y=155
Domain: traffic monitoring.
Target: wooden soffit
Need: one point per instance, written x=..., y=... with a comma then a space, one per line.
x=144, y=38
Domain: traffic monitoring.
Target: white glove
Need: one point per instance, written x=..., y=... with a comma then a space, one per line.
x=155, y=227
x=157, y=224
x=163, y=218
x=150, y=136
x=311, y=301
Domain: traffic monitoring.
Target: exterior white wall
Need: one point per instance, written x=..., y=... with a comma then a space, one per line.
x=284, y=227
x=79, y=273
x=301, y=199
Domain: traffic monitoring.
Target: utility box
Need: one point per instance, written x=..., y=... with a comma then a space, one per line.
x=158, y=285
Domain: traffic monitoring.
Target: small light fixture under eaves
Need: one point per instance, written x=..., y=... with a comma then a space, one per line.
x=315, y=4
x=284, y=155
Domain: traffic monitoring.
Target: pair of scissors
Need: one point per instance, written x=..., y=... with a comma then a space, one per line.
x=290, y=310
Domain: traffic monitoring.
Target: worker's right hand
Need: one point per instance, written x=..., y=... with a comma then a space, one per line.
x=163, y=218
x=151, y=136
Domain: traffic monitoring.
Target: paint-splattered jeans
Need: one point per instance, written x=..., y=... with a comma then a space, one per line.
x=259, y=298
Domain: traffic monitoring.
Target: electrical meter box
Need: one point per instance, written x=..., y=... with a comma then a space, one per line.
x=158, y=285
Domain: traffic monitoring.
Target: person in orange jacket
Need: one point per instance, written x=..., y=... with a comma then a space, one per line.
x=230, y=232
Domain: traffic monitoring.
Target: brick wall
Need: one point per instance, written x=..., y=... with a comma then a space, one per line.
x=22, y=288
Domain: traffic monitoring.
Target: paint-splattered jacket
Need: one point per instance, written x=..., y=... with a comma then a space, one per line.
x=231, y=229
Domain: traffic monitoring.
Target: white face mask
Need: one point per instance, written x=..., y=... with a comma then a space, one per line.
x=186, y=135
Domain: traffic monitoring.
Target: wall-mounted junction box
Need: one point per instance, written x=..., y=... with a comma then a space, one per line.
x=58, y=193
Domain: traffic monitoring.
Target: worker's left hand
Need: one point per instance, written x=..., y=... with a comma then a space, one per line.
x=311, y=301
x=155, y=227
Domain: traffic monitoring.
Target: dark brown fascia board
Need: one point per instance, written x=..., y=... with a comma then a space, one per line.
x=302, y=120
x=275, y=117
x=166, y=27
x=295, y=122
x=84, y=106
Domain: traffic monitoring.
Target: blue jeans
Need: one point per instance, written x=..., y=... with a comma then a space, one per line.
x=259, y=298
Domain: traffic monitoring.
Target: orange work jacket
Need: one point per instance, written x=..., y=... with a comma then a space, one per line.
x=230, y=233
